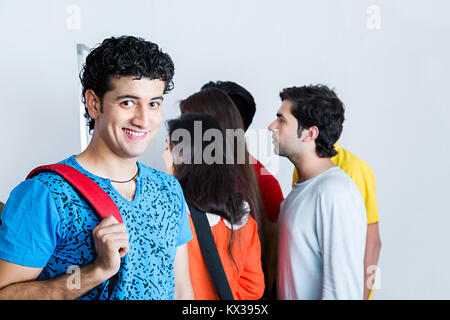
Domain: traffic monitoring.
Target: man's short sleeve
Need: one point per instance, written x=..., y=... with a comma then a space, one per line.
x=185, y=234
x=370, y=198
x=30, y=225
x=365, y=181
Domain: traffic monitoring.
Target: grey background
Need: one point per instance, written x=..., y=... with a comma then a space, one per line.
x=393, y=80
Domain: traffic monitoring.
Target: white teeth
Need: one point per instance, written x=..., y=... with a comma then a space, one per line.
x=134, y=133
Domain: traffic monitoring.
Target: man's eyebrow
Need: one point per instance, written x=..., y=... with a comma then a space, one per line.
x=129, y=96
x=279, y=115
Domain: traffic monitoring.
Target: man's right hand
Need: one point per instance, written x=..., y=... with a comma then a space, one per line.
x=111, y=244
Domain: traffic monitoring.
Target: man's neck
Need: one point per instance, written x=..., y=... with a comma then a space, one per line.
x=101, y=161
x=310, y=165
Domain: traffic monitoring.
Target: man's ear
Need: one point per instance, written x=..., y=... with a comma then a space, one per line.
x=310, y=134
x=93, y=104
x=178, y=157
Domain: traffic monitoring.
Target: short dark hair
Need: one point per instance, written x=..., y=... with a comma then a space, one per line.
x=124, y=56
x=317, y=105
x=243, y=100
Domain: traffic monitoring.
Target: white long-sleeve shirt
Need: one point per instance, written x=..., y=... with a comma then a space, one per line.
x=322, y=236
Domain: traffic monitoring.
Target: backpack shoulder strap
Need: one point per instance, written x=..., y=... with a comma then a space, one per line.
x=210, y=254
x=102, y=203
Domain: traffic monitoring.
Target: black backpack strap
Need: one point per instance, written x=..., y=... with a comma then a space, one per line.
x=210, y=254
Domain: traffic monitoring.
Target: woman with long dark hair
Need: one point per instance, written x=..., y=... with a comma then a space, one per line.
x=220, y=191
x=218, y=104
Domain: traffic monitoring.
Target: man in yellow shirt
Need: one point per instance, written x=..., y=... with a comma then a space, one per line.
x=363, y=177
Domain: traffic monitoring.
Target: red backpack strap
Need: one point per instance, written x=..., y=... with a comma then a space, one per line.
x=102, y=203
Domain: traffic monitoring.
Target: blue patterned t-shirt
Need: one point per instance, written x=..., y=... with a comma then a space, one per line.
x=46, y=224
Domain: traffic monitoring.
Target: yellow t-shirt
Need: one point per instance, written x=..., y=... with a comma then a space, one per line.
x=362, y=176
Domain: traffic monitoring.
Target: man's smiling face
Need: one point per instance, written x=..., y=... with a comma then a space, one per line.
x=131, y=115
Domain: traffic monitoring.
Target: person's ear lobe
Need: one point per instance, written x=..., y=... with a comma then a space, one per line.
x=93, y=104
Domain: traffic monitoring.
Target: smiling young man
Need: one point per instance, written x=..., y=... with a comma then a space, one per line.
x=52, y=245
x=322, y=222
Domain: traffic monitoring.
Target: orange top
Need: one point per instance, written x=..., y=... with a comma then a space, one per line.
x=247, y=281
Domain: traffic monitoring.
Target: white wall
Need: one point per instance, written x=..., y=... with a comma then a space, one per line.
x=393, y=80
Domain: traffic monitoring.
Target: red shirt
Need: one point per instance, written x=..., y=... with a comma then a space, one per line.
x=271, y=193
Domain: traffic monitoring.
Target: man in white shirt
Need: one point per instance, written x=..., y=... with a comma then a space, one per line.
x=322, y=223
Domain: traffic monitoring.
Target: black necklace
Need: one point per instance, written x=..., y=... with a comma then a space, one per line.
x=134, y=177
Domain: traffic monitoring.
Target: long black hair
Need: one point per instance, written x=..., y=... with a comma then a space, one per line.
x=210, y=187
x=218, y=104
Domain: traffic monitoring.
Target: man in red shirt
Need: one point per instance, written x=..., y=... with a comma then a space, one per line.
x=271, y=193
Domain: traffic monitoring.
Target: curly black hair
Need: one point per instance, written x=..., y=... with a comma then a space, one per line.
x=317, y=105
x=123, y=56
x=242, y=99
